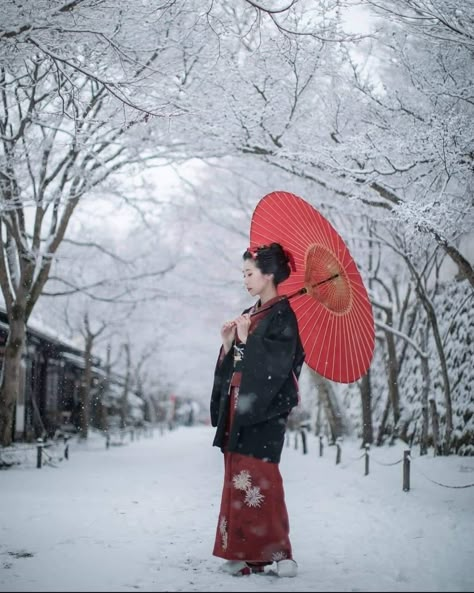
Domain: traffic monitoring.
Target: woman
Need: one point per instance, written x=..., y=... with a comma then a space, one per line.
x=255, y=388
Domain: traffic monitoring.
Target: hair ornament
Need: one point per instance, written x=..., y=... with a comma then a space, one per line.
x=254, y=250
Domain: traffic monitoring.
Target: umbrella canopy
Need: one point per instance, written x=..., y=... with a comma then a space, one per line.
x=325, y=289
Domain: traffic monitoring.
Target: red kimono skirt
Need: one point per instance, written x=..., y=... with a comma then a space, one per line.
x=253, y=521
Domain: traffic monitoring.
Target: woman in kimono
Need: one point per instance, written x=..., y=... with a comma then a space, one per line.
x=255, y=388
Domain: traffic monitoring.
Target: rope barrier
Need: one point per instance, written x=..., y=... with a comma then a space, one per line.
x=357, y=458
x=407, y=459
x=386, y=464
x=49, y=459
x=440, y=483
x=21, y=454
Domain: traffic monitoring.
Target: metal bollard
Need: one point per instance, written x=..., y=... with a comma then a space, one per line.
x=39, y=454
x=406, y=470
x=66, y=447
x=303, y=438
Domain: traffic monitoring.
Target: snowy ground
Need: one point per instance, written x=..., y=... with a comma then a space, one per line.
x=142, y=517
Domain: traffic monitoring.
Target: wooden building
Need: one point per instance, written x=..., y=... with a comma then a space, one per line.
x=49, y=399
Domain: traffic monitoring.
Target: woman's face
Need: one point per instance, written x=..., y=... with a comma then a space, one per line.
x=255, y=282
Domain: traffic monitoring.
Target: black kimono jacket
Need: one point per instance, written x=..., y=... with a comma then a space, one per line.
x=268, y=389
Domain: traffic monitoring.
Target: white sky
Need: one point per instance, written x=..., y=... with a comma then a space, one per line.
x=142, y=517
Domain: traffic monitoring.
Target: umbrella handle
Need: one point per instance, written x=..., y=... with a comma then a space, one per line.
x=324, y=281
x=304, y=290
x=299, y=292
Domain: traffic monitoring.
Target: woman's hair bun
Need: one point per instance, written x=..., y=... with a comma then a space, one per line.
x=271, y=259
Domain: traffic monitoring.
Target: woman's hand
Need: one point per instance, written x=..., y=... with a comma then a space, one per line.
x=228, y=335
x=243, y=325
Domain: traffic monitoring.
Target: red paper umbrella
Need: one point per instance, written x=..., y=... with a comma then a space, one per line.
x=326, y=291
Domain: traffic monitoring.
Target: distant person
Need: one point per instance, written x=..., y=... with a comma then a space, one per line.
x=255, y=388
x=190, y=419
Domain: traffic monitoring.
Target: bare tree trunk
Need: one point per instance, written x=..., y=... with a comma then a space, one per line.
x=435, y=424
x=318, y=425
x=392, y=374
x=366, y=401
x=383, y=422
x=11, y=375
x=391, y=365
x=85, y=390
x=365, y=385
x=331, y=405
x=446, y=384
x=108, y=372
x=430, y=311
x=86, y=383
x=126, y=387
x=425, y=371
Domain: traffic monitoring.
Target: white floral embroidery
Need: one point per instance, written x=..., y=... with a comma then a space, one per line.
x=253, y=497
x=253, y=494
x=242, y=480
x=277, y=556
x=223, y=525
x=223, y=532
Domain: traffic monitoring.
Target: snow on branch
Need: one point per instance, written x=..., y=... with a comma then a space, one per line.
x=388, y=328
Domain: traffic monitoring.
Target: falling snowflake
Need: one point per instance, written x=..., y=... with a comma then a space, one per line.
x=242, y=480
x=253, y=497
x=277, y=556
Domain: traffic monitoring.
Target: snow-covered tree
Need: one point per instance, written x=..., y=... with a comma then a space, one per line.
x=89, y=88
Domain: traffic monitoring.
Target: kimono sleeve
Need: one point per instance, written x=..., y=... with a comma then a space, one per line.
x=268, y=364
x=222, y=372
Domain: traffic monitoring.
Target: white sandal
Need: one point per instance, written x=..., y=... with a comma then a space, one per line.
x=232, y=566
x=287, y=568
x=239, y=568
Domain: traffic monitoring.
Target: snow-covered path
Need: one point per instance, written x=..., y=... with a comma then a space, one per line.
x=142, y=517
